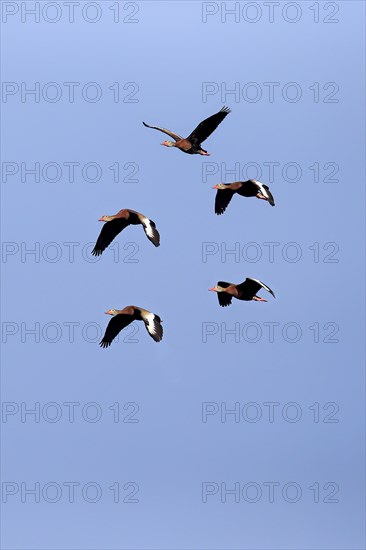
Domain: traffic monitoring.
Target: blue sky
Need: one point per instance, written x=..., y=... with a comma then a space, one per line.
x=314, y=358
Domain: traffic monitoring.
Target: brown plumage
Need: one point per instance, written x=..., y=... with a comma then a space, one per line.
x=192, y=144
x=115, y=224
x=244, y=291
x=249, y=188
x=123, y=317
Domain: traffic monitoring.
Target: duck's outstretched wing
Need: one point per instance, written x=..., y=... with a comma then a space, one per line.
x=264, y=189
x=153, y=325
x=150, y=229
x=176, y=137
x=223, y=297
x=207, y=126
x=109, y=231
x=222, y=200
x=115, y=325
x=252, y=286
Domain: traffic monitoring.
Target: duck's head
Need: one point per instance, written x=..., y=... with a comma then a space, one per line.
x=217, y=288
x=105, y=219
x=168, y=143
x=111, y=312
x=220, y=186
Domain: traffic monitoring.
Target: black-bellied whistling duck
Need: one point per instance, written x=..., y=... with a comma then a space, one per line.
x=123, y=317
x=192, y=144
x=249, y=188
x=245, y=291
x=115, y=224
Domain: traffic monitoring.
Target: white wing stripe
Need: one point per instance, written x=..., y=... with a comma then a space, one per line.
x=150, y=323
x=260, y=283
x=262, y=189
x=149, y=229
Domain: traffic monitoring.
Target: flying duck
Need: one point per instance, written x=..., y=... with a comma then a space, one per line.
x=192, y=144
x=249, y=188
x=115, y=224
x=245, y=291
x=121, y=318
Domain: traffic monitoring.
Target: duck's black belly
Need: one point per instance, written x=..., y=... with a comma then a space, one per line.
x=192, y=151
x=248, y=191
x=195, y=149
x=244, y=298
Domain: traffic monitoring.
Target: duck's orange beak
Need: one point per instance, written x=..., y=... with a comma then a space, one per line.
x=101, y=219
x=215, y=187
x=213, y=288
x=108, y=312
